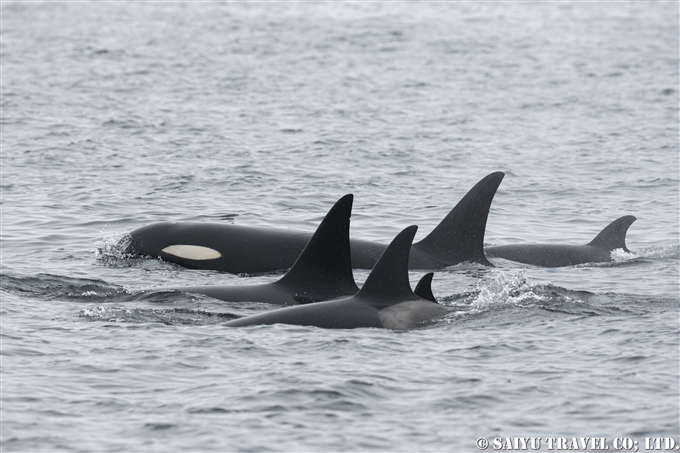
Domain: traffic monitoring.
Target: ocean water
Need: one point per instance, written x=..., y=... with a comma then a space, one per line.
x=119, y=114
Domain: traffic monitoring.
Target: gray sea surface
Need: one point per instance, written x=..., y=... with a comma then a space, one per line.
x=119, y=114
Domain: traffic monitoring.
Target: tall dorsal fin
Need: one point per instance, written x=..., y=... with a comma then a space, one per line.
x=325, y=264
x=424, y=287
x=460, y=236
x=614, y=235
x=388, y=284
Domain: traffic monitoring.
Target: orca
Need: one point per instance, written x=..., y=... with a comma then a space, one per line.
x=599, y=250
x=384, y=301
x=424, y=287
x=240, y=249
x=323, y=270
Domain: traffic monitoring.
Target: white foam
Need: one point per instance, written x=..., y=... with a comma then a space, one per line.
x=621, y=256
x=503, y=291
x=112, y=245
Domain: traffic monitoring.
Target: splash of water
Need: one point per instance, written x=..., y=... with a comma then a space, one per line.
x=112, y=247
x=621, y=256
x=505, y=291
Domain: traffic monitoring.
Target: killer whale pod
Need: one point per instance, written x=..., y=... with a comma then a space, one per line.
x=323, y=270
x=384, y=301
x=237, y=249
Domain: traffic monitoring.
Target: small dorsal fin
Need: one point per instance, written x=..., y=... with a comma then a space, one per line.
x=325, y=264
x=460, y=236
x=424, y=287
x=613, y=236
x=388, y=283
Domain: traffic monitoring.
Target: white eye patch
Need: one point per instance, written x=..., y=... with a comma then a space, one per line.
x=192, y=252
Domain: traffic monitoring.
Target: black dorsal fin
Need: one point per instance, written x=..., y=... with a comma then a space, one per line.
x=424, y=287
x=614, y=235
x=324, y=268
x=388, y=284
x=460, y=236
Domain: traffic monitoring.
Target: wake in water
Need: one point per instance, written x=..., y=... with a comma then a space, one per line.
x=172, y=316
x=514, y=295
x=509, y=293
x=51, y=287
x=666, y=252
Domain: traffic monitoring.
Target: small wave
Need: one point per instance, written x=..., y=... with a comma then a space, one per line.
x=58, y=287
x=48, y=286
x=171, y=316
x=513, y=291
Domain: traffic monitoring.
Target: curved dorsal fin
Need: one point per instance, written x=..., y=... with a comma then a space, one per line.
x=388, y=284
x=326, y=261
x=460, y=236
x=424, y=287
x=613, y=236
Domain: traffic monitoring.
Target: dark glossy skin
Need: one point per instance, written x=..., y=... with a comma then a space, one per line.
x=244, y=250
x=341, y=314
x=385, y=300
x=279, y=293
x=458, y=238
x=612, y=237
x=550, y=255
x=271, y=293
x=323, y=271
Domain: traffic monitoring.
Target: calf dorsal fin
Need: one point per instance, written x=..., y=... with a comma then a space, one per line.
x=424, y=287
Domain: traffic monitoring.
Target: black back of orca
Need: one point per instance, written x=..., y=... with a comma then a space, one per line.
x=323, y=270
x=599, y=250
x=385, y=300
x=458, y=238
x=212, y=246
